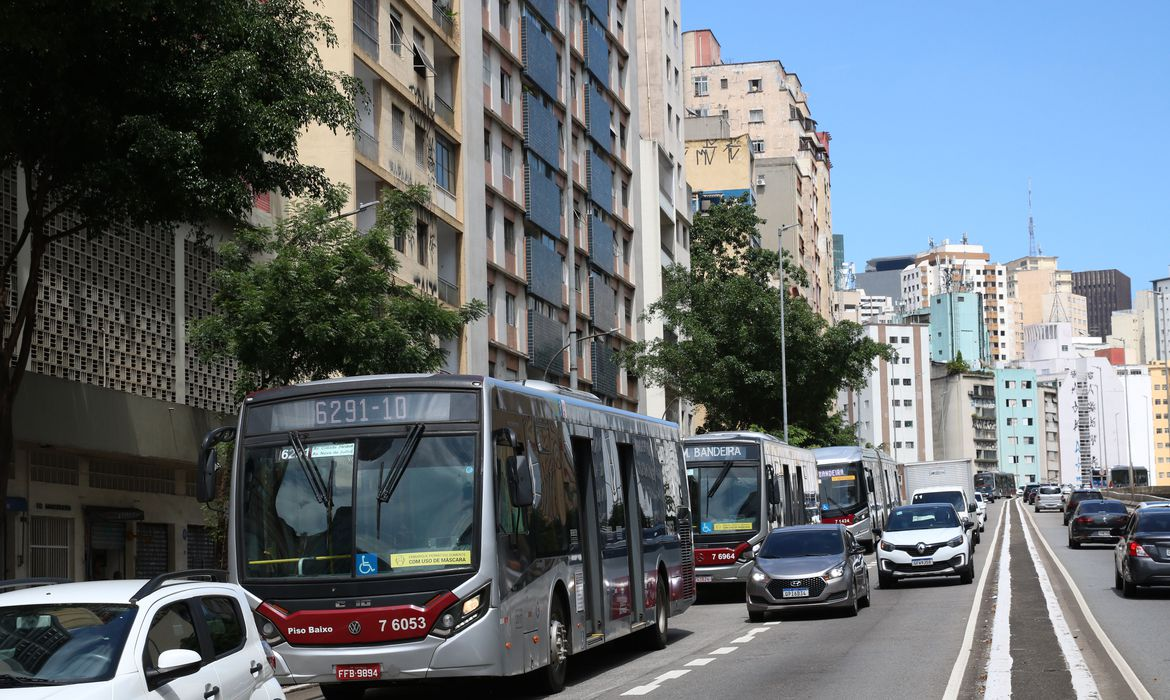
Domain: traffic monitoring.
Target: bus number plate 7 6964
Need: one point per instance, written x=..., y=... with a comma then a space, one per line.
x=358, y=672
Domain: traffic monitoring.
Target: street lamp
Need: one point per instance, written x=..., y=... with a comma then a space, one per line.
x=544, y=375
x=783, y=342
x=359, y=210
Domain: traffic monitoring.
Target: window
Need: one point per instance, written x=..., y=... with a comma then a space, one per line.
x=905, y=339
x=487, y=146
x=491, y=299
x=509, y=236
x=755, y=85
x=756, y=116
x=905, y=382
x=444, y=165
x=505, y=86
x=397, y=129
x=700, y=85
x=489, y=217
x=505, y=11
x=222, y=616
x=908, y=424
x=1026, y=403
x=487, y=68
x=909, y=443
x=894, y=382
x=172, y=628
x=420, y=242
x=508, y=162
x=908, y=402
x=396, y=32
x=420, y=146
x=723, y=83
x=757, y=145
x=509, y=309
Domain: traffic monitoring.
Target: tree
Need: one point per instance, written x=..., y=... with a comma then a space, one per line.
x=310, y=298
x=723, y=347
x=958, y=365
x=149, y=112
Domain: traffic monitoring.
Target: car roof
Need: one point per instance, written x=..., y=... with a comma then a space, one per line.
x=809, y=528
x=1154, y=504
x=108, y=592
x=936, y=489
x=924, y=506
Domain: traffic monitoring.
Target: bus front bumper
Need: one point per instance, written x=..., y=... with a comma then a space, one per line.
x=474, y=651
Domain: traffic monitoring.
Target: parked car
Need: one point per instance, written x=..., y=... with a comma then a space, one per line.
x=1142, y=554
x=1047, y=497
x=808, y=566
x=1094, y=521
x=1074, y=498
x=981, y=511
x=923, y=540
x=170, y=637
x=1030, y=492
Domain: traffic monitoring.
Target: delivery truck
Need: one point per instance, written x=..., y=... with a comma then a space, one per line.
x=941, y=481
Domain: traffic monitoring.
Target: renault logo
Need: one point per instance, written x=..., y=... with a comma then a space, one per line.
x=355, y=627
x=921, y=549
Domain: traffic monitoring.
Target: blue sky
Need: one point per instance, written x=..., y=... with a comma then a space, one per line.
x=940, y=112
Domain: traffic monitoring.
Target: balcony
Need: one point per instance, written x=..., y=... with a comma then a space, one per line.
x=444, y=111
x=449, y=292
x=444, y=17
x=367, y=144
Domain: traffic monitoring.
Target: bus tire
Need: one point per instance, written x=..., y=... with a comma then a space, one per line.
x=550, y=678
x=342, y=691
x=654, y=637
x=867, y=545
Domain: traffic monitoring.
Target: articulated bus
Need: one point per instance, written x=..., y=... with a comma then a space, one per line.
x=421, y=526
x=1001, y=484
x=743, y=485
x=858, y=487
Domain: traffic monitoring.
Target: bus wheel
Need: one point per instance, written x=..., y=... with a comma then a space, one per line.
x=655, y=635
x=551, y=678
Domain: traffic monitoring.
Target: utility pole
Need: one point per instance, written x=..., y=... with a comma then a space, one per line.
x=783, y=340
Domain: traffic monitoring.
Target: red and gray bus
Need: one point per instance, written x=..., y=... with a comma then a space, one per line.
x=858, y=487
x=743, y=485
x=426, y=526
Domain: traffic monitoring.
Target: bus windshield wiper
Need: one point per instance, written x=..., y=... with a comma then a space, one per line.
x=719, y=480
x=399, y=467
x=312, y=473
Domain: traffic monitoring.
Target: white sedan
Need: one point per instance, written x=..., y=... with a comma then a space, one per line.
x=981, y=511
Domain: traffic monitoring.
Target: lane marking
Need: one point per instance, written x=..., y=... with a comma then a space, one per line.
x=960, y=667
x=724, y=650
x=773, y=622
x=1131, y=678
x=744, y=639
x=641, y=689
x=671, y=675
x=700, y=662
x=999, y=660
x=657, y=682
x=1082, y=678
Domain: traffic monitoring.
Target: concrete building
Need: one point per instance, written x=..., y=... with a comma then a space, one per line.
x=1135, y=330
x=847, y=305
x=1106, y=291
x=963, y=419
x=663, y=194
x=1161, y=288
x=768, y=103
x=1043, y=293
x=1019, y=425
x=1050, y=435
x=894, y=409
x=875, y=309
x=1159, y=371
x=965, y=267
x=883, y=276
x=719, y=168
x=957, y=329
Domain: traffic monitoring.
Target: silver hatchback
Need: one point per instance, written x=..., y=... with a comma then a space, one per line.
x=808, y=566
x=1048, y=497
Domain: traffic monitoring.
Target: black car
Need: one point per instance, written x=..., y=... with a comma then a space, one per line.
x=1076, y=497
x=988, y=493
x=1142, y=555
x=1029, y=492
x=1094, y=521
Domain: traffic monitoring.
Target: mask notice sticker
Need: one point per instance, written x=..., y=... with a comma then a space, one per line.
x=451, y=558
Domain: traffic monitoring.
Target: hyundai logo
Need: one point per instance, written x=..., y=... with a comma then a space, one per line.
x=921, y=548
x=355, y=627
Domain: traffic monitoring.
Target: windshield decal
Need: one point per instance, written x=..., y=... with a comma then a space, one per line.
x=457, y=557
x=845, y=477
x=710, y=526
x=322, y=450
x=365, y=564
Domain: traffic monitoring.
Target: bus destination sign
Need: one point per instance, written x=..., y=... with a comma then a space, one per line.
x=382, y=408
x=720, y=453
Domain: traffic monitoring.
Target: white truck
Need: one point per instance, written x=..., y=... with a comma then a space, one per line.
x=942, y=481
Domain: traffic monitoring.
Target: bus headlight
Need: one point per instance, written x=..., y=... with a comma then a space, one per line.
x=463, y=613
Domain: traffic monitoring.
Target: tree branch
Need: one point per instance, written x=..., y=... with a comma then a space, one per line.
x=67, y=232
x=22, y=322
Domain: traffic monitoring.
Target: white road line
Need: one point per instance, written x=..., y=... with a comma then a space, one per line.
x=657, y=682
x=1127, y=673
x=744, y=639
x=960, y=667
x=671, y=675
x=700, y=662
x=724, y=650
x=1082, y=678
x=999, y=661
x=641, y=689
x=773, y=622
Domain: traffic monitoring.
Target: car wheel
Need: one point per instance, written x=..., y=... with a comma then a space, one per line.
x=1073, y=544
x=342, y=691
x=756, y=615
x=1128, y=588
x=1117, y=582
x=968, y=574
x=550, y=679
x=1037, y=509
x=852, y=607
x=885, y=580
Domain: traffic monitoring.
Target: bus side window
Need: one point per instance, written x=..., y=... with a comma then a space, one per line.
x=510, y=519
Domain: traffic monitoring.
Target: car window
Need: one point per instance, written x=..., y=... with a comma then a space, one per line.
x=171, y=628
x=807, y=543
x=1154, y=522
x=70, y=643
x=1049, y=491
x=1090, y=506
x=227, y=631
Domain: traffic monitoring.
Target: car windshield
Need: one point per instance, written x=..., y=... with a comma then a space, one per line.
x=954, y=498
x=1102, y=507
x=1154, y=522
x=427, y=524
x=927, y=518
x=802, y=543
x=725, y=498
x=62, y=644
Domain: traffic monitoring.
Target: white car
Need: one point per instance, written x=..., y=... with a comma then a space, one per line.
x=981, y=511
x=924, y=540
x=170, y=637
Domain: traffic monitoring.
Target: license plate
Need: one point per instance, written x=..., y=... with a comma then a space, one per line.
x=703, y=579
x=1102, y=533
x=794, y=593
x=358, y=672
x=925, y=561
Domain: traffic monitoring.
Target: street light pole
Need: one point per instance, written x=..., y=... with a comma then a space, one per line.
x=359, y=210
x=783, y=340
x=544, y=374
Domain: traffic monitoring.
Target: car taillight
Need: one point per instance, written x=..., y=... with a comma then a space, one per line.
x=1084, y=520
x=1136, y=550
x=269, y=653
x=268, y=630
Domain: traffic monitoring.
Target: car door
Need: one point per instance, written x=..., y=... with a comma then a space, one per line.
x=173, y=626
x=238, y=660
x=857, y=561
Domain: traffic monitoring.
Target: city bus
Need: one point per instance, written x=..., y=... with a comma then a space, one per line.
x=426, y=526
x=1001, y=484
x=858, y=487
x=742, y=486
x=1119, y=476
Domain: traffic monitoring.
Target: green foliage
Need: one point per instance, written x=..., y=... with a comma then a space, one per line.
x=958, y=364
x=723, y=347
x=310, y=298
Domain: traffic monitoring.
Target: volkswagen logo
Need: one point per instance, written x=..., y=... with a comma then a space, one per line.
x=355, y=627
x=921, y=549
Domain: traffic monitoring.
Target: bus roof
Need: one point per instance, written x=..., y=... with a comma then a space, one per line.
x=725, y=435
x=840, y=453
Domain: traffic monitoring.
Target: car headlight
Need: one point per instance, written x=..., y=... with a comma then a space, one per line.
x=835, y=573
x=955, y=541
x=759, y=576
x=886, y=546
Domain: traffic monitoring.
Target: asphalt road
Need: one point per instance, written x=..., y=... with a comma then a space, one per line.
x=908, y=643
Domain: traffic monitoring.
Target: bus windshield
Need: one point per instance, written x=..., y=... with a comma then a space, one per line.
x=840, y=490
x=725, y=498
x=340, y=527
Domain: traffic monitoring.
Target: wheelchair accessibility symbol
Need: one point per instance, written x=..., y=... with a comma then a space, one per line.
x=366, y=564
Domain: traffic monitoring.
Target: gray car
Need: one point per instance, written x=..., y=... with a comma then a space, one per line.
x=1048, y=497
x=808, y=566
x=1142, y=554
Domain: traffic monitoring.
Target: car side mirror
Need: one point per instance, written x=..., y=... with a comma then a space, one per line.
x=520, y=484
x=172, y=664
x=970, y=507
x=968, y=525
x=857, y=549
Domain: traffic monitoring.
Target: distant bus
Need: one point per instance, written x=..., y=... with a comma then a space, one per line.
x=858, y=487
x=742, y=486
x=1119, y=476
x=1002, y=484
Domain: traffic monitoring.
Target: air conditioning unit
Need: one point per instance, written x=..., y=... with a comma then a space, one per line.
x=760, y=181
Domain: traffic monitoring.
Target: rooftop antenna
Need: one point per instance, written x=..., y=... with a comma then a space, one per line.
x=1033, y=250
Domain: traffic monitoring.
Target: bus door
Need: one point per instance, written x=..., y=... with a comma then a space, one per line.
x=589, y=593
x=788, y=515
x=612, y=531
x=634, y=534
x=799, y=514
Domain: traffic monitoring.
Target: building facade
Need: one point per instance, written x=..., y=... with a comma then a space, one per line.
x=1161, y=289
x=1019, y=425
x=957, y=329
x=1043, y=293
x=1135, y=330
x=964, y=417
x=1105, y=291
x=1050, y=436
x=1159, y=371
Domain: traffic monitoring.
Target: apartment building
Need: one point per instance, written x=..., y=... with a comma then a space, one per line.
x=1019, y=422
x=964, y=419
x=1050, y=435
x=1159, y=371
x=957, y=329
x=1105, y=291
x=1135, y=330
x=1161, y=289
x=792, y=179
x=663, y=194
x=1043, y=293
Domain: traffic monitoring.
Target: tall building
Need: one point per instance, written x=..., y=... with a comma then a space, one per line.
x=1050, y=436
x=964, y=417
x=718, y=167
x=883, y=276
x=792, y=176
x=1019, y=424
x=1159, y=371
x=663, y=194
x=894, y=408
x=1105, y=291
x=1161, y=289
x=1134, y=330
x=957, y=329
x=1044, y=294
